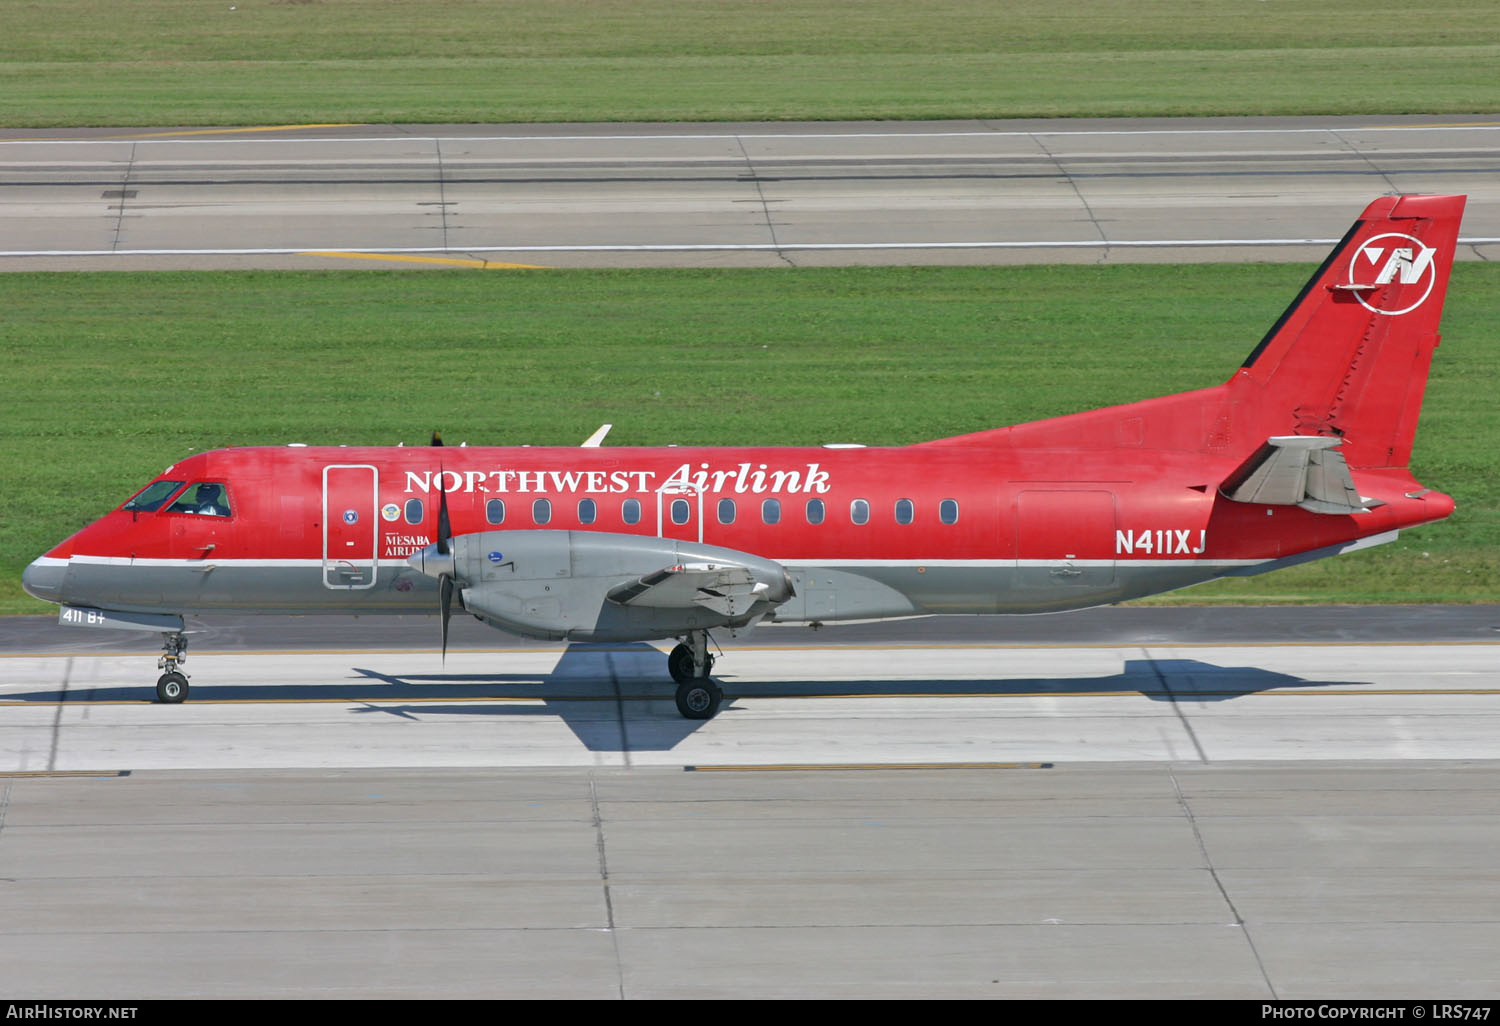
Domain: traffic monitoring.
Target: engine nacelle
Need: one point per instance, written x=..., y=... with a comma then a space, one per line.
x=600, y=586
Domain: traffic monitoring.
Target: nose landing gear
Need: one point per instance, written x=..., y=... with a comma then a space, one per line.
x=690, y=663
x=172, y=686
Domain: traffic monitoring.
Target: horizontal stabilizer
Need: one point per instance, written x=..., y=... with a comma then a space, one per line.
x=727, y=590
x=1297, y=470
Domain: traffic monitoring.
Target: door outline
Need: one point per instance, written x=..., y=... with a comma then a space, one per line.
x=1097, y=565
x=661, y=507
x=358, y=573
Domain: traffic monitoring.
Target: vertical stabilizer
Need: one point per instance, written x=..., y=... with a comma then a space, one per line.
x=1350, y=356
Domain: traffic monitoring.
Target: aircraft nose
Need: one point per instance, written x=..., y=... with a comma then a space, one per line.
x=43, y=579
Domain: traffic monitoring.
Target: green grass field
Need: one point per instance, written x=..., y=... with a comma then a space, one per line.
x=240, y=62
x=109, y=377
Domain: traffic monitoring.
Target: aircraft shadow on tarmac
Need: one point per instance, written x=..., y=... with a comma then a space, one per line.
x=618, y=697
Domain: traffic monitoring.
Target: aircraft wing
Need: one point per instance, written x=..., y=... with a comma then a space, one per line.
x=1297, y=470
x=727, y=590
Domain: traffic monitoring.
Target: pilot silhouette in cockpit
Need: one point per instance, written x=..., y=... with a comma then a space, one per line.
x=209, y=501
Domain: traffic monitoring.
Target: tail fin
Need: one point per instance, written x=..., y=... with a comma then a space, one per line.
x=1350, y=356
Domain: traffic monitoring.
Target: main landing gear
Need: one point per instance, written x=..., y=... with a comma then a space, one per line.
x=698, y=697
x=172, y=686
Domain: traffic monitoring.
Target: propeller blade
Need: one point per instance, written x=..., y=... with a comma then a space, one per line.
x=445, y=605
x=445, y=528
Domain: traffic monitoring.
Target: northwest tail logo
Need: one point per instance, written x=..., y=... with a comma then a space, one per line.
x=1390, y=258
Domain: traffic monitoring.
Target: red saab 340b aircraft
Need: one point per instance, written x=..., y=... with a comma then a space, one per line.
x=1303, y=453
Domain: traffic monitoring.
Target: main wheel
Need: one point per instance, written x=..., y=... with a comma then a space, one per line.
x=680, y=664
x=171, y=688
x=699, y=699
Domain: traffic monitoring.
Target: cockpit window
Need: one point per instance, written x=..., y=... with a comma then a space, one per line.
x=207, y=498
x=150, y=498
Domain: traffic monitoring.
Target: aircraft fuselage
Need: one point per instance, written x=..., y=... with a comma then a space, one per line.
x=862, y=533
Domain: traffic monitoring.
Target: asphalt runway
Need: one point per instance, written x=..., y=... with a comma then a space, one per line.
x=727, y=194
x=920, y=809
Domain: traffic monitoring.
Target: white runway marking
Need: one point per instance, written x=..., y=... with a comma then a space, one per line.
x=685, y=247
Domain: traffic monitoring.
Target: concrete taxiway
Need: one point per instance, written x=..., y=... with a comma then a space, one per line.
x=792, y=700
x=926, y=815
x=728, y=194
x=1255, y=881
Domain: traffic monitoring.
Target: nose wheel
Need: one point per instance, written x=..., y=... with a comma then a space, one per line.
x=698, y=697
x=171, y=688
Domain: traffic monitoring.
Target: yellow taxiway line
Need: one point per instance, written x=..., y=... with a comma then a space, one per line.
x=854, y=767
x=12, y=774
x=971, y=646
x=238, y=131
x=483, y=265
x=1435, y=124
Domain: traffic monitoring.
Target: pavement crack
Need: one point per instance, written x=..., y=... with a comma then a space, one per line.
x=442, y=192
x=1390, y=184
x=609, y=908
x=765, y=206
x=125, y=197
x=1208, y=863
x=1078, y=193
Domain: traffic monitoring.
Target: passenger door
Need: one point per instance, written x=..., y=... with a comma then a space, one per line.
x=351, y=526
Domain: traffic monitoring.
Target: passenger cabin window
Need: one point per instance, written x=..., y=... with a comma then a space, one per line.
x=588, y=511
x=859, y=511
x=905, y=511
x=150, y=498
x=541, y=511
x=494, y=511
x=630, y=511
x=681, y=510
x=815, y=511
x=770, y=511
x=726, y=511
x=207, y=498
x=414, y=511
x=948, y=511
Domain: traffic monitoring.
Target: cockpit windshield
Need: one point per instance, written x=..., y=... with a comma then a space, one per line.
x=150, y=498
x=207, y=498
